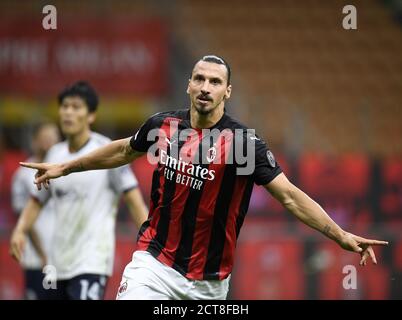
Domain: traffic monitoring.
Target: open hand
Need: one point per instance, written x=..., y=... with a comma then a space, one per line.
x=361, y=245
x=17, y=244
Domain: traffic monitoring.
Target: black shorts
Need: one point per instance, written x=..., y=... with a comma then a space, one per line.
x=34, y=289
x=82, y=287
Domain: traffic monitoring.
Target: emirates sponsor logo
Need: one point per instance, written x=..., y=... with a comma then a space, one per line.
x=188, y=174
x=185, y=167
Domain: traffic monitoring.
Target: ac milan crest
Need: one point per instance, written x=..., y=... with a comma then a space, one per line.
x=211, y=154
x=123, y=287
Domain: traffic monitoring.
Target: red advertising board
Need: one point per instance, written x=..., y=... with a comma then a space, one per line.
x=117, y=55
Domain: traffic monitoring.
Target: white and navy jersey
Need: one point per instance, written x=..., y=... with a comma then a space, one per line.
x=86, y=206
x=22, y=186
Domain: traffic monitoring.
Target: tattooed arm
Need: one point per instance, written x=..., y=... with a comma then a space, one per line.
x=311, y=213
x=112, y=155
x=303, y=207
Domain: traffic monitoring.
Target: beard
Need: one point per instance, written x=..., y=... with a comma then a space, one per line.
x=203, y=111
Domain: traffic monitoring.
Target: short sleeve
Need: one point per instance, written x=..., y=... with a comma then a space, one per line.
x=140, y=141
x=19, y=191
x=266, y=167
x=122, y=179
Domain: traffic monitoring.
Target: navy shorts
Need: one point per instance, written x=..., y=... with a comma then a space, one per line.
x=82, y=287
x=34, y=289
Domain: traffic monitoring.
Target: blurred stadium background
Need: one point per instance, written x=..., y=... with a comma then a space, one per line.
x=327, y=100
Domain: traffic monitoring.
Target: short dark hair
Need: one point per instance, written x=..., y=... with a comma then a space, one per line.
x=218, y=60
x=83, y=90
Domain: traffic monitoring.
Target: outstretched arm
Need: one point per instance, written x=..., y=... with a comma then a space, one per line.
x=310, y=213
x=112, y=155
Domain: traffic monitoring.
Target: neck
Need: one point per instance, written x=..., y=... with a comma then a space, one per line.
x=75, y=142
x=205, y=121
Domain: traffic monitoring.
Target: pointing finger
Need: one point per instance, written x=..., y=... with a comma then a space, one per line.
x=32, y=165
x=373, y=242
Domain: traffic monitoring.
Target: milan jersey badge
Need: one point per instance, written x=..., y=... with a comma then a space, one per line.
x=123, y=287
x=271, y=159
x=211, y=154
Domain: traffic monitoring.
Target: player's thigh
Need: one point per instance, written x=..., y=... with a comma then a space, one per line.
x=87, y=287
x=140, y=292
x=142, y=284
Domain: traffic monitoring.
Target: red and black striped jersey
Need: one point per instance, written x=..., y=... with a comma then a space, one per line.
x=201, y=190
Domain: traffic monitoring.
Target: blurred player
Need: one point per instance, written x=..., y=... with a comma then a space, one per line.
x=186, y=247
x=85, y=205
x=37, y=249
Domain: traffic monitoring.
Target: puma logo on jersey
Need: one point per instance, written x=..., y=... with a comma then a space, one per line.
x=170, y=142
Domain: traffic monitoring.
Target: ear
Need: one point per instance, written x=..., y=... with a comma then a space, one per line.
x=188, y=86
x=228, y=91
x=91, y=118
